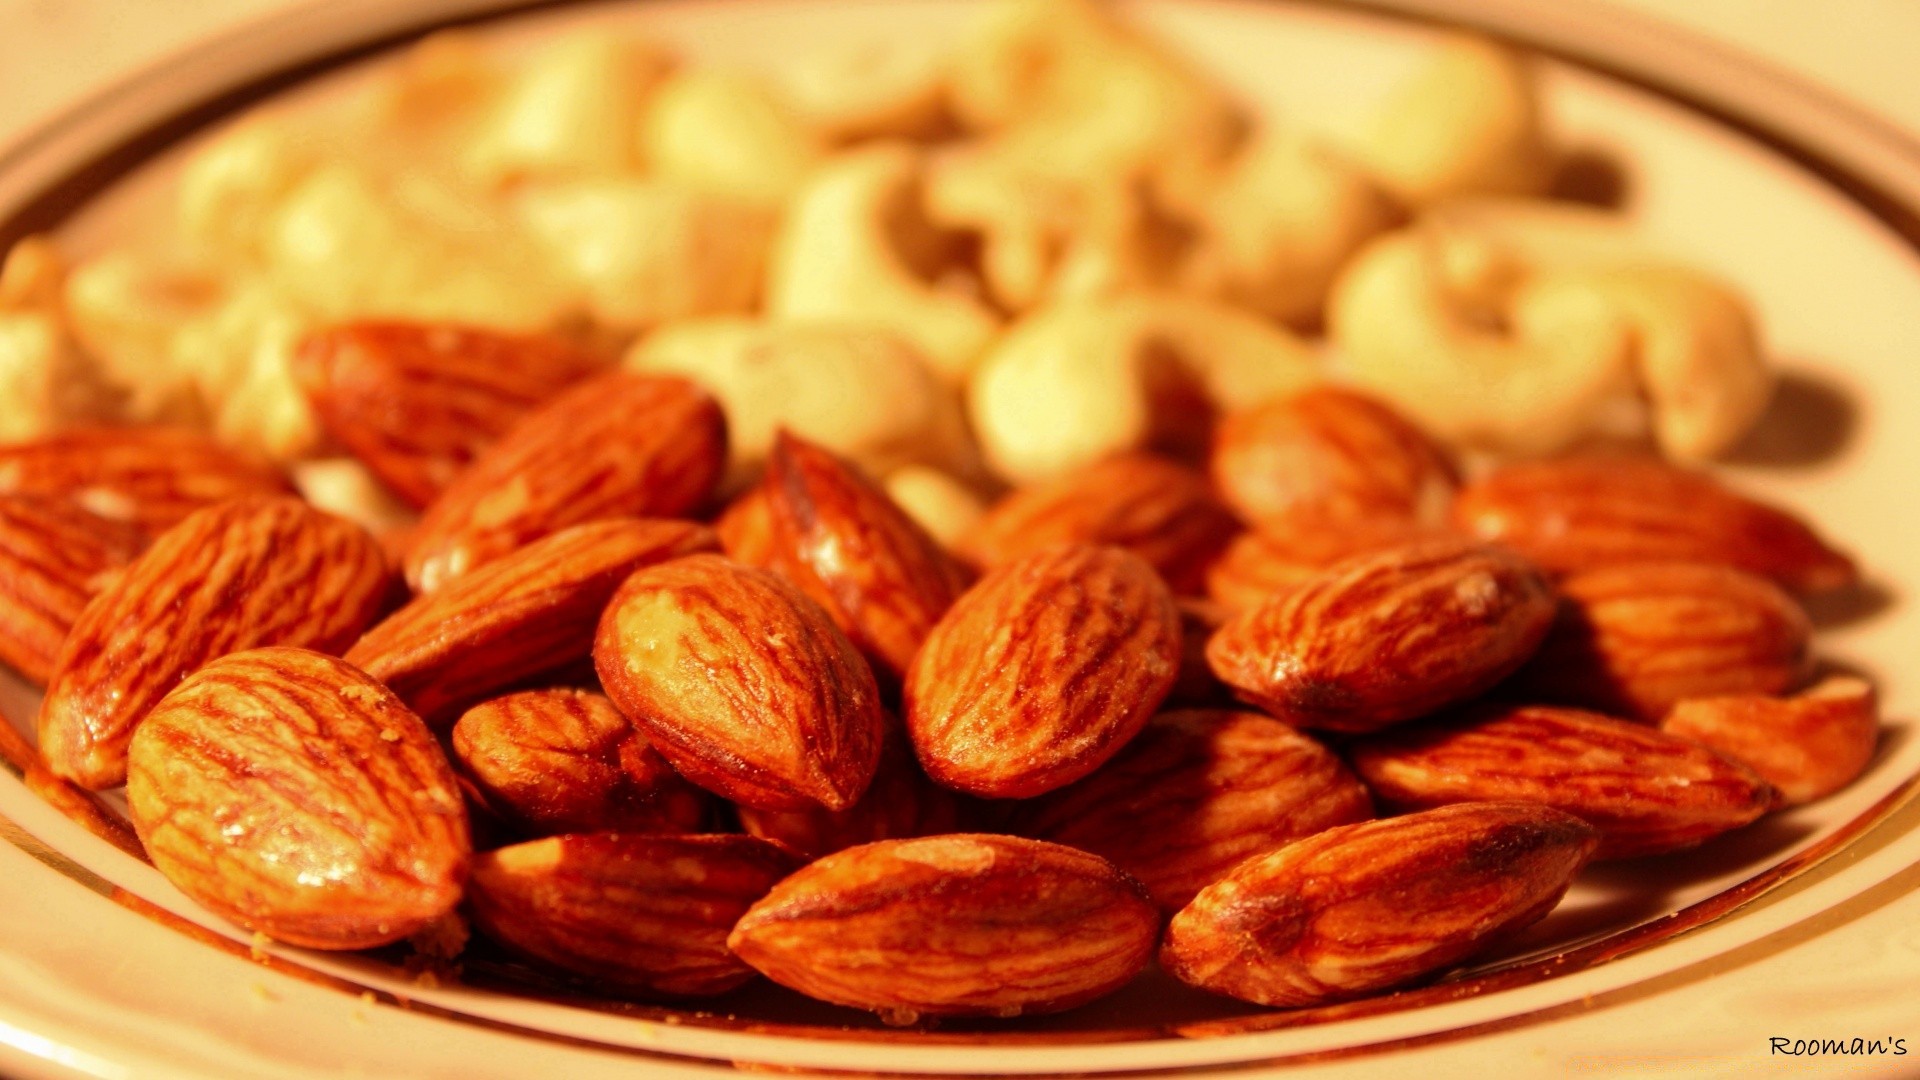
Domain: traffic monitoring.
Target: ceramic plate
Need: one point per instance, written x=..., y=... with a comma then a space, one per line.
x=106, y=970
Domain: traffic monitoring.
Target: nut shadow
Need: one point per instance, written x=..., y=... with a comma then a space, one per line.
x=1810, y=420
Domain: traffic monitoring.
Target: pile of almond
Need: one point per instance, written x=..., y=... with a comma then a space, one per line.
x=1307, y=719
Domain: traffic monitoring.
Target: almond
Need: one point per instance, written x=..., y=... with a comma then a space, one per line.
x=1646, y=791
x=645, y=915
x=525, y=614
x=289, y=793
x=1331, y=453
x=83, y=807
x=743, y=683
x=1157, y=509
x=53, y=558
x=1807, y=746
x=1294, y=550
x=881, y=577
x=1593, y=512
x=1042, y=671
x=239, y=575
x=417, y=402
x=960, y=925
x=1386, y=637
x=901, y=802
x=1197, y=684
x=563, y=761
x=1637, y=640
x=745, y=529
x=147, y=477
x=1196, y=793
x=1377, y=905
x=619, y=445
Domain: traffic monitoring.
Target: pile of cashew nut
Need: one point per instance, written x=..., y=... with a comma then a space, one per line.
x=966, y=269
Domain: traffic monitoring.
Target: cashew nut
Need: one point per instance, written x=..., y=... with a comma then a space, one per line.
x=125, y=310
x=861, y=391
x=1467, y=122
x=892, y=91
x=232, y=186
x=947, y=508
x=46, y=381
x=343, y=486
x=571, y=110
x=239, y=356
x=1288, y=213
x=848, y=252
x=1074, y=382
x=32, y=276
x=727, y=134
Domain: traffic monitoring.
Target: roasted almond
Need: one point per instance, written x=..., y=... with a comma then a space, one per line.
x=1807, y=746
x=147, y=477
x=1636, y=640
x=743, y=683
x=1377, y=905
x=1196, y=793
x=1646, y=791
x=616, y=446
x=844, y=542
x=417, y=402
x=900, y=803
x=238, y=575
x=522, y=615
x=1592, y=512
x=960, y=925
x=1155, y=508
x=1294, y=550
x=745, y=529
x=1386, y=637
x=566, y=761
x=644, y=915
x=53, y=558
x=286, y=791
x=1330, y=453
x=1042, y=671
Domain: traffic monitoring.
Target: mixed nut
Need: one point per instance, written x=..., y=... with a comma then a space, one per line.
x=970, y=588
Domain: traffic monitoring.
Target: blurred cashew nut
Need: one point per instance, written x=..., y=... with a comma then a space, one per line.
x=727, y=134
x=1467, y=122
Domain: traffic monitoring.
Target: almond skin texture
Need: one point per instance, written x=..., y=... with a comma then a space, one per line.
x=417, y=402
x=1386, y=637
x=1331, y=453
x=564, y=761
x=148, y=477
x=1377, y=905
x=745, y=530
x=1042, y=671
x=525, y=614
x=1646, y=791
x=1637, y=640
x=1294, y=550
x=1807, y=746
x=643, y=915
x=618, y=445
x=1155, y=508
x=959, y=925
x=286, y=791
x=53, y=558
x=1586, y=513
x=881, y=577
x=1195, y=794
x=743, y=683
x=900, y=803
x=240, y=575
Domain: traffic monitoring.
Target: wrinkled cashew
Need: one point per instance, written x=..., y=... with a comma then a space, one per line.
x=947, y=508
x=727, y=134
x=860, y=391
x=572, y=110
x=1072, y=383
x=895, y=91
x=850, y=249
x=1467, y=122
x=1288, y=213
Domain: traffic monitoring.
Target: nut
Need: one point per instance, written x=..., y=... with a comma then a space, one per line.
x=1386, y=637
x=730, y=134
x=620, y=445
x=900, y=803
x=237, y=575
x=1195, y=794
x=1588, y=512
x=288, y=792
x=961, y=925
x=1041, y=671
x=1258, y=564
x=1647, y=792
x=53, y=559
x=644, y=915
x=148, y=477
x=566, y=761
x=742, y=683
x=1467, y=122
x=1807, y=746
x=1636, y=640
x=1380, y=904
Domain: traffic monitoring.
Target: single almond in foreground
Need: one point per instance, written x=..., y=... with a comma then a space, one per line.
x=1807, y=746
